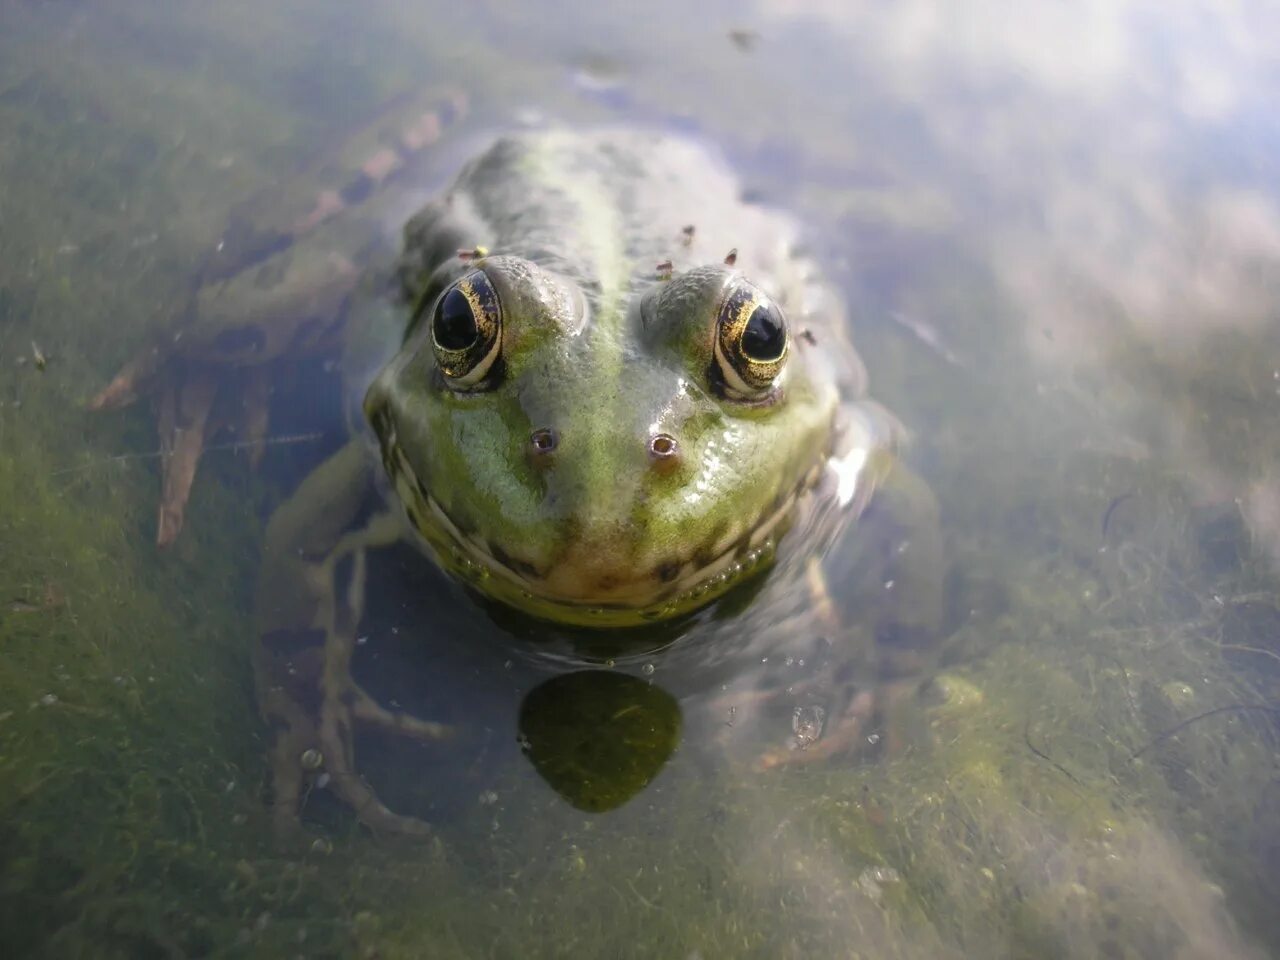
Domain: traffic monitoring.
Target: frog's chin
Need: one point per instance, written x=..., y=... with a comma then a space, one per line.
x=579, y=590
x=638, y=601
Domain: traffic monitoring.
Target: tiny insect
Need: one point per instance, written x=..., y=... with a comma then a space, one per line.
x=38, y=357
x=731, y=257
x=744, y=40
x=473, y=253
x=686, y=233
x=665, y=269
x=807, y=336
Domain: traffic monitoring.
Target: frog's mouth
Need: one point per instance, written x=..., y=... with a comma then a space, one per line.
x=573, y=590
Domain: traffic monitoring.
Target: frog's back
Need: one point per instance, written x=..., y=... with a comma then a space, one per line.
x=571, y=200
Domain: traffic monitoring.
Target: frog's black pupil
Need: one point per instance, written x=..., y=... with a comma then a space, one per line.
x=455, y=325
x=765, y=337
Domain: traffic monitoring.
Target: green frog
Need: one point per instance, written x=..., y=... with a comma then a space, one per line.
x=604, y=391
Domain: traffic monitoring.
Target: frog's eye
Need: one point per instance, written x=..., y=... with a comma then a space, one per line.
x=750, y=345
x=466, y=331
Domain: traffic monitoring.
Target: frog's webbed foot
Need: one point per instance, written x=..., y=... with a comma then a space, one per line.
x=206, y=389
x=277, y=294
x=314, y=706
x=315, y=750
x=216, y=373
x=184, y=400
x=337, y=757
x=187, y=415
x=311, y=601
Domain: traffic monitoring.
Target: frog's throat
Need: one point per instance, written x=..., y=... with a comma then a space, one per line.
x=666, y=591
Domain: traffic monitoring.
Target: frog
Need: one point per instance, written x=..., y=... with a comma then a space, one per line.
x=601, y=389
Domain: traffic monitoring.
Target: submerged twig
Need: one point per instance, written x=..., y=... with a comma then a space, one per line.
x=1258, y=650
x=1026, y=736
x=1179, y=727
x=1106, y=517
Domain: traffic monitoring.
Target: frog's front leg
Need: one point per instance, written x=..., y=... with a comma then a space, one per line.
x=310, y=604
x=877, y=596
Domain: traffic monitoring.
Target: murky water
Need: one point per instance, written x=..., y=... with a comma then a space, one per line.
x=1058, y=231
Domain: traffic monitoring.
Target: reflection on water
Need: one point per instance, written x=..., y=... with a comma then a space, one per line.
x=1059, y=233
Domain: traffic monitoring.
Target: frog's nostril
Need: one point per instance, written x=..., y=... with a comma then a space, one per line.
x=544, y=441
x=663, y=445
x=664, y=452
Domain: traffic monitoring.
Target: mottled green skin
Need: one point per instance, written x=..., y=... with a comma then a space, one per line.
x=599, y=349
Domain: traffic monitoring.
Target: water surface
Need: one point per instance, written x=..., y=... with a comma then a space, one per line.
x=1058, y=231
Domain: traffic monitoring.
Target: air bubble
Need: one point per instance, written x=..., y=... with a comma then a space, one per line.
x=807, y=723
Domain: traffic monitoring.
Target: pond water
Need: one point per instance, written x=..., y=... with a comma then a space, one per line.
x=1057, y=230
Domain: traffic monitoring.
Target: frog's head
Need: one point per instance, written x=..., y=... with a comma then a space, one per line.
x=600, y=459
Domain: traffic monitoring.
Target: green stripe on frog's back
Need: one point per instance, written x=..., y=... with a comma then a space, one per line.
x=544, y=198
x=605, y=276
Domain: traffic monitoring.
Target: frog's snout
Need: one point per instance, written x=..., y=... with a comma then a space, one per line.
x=662, y=449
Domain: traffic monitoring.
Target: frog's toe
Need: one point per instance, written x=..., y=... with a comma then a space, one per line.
x=351, y=789
x=288, y=784
x=120, y=392
x=367, y=710
x=184, y=416
x=334, y=764
x=329, y=763
x=128, y=383
x=295, y=772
